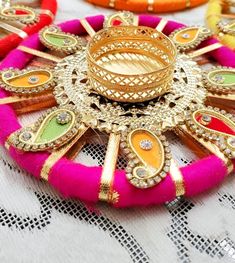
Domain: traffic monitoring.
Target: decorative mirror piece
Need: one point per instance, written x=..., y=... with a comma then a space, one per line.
x=27, y=81
x=220, y=80
x=19, y=13
x=187, y=38
x=52, y=130
x=53, y=38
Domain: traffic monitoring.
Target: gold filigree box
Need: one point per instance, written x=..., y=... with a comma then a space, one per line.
x=131, y=64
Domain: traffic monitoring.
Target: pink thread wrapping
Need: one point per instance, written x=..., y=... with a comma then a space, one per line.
x=78, y=181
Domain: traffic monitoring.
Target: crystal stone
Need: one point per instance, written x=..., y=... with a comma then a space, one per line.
x=8, y=75
x=63, y=118
x=185, y=36
x=141, y=172
x=33, y=79
x=26, y=136
x=206, y=118
x=146, y=145
x=231, y=141
x=66, y=41
x=219, y=79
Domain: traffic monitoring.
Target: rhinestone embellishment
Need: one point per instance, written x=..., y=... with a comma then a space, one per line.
x=219, y=79
x=231, y=141
x=63, y=118
x=26, y=136
x=8, y=75
x=185, y=36
x=33, y=80
x=141, y=172
x=206, y=119
x=52, y=29
x=67, y=41
x=146, y=145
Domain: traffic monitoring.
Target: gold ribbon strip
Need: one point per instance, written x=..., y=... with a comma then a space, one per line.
x=13, y=99
x=7, y=145
x=48, y=13
x=87, y=27
x=112, y=3
x=14, y=30
x=205, y=50
x=57, y=155
x=106, y=192
x=177, y=178
x=229, y=16
x=161, y=25
x=150, y=5
x=188, y=3
x=39, y=54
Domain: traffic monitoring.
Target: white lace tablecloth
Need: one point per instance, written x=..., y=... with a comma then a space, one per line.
x=38, y=226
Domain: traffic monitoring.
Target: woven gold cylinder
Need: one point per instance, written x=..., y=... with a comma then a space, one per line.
x=130, y=63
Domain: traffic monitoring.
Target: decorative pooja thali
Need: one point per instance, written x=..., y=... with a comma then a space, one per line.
x=133, y=83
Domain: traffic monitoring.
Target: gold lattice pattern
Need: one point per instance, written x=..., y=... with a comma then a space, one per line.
x=149, y=52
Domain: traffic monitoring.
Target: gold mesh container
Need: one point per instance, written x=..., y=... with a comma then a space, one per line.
x=130, y=63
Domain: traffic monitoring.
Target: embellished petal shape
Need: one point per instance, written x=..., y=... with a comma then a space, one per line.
x=149, y=154
x=220, y=80
x=214, y=122
x=189, y=37
x=215, y=126
x=51, y=131
x=27, y=81
x=53, y=38
x=227, y=28
x=60, y=40
x=21, y=14
x=121, y=19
